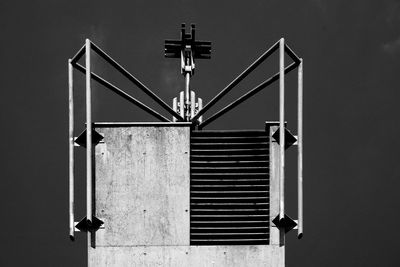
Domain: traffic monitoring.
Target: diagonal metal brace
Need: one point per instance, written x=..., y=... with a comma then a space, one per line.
x=134, y=80
x=246, y=96
x=121, y=93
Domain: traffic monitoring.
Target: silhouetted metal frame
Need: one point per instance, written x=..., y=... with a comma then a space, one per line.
x=253, y=91
x=280, y=75
x=131, y=78
x=89, y=75
x=246, y=96
x=121, y=93
x=235, y=81
x=298, y=63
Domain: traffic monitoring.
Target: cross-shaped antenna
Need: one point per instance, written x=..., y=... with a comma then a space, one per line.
x=187, y=49
x=188, y=43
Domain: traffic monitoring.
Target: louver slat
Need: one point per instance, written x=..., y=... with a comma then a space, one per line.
x=229, y=188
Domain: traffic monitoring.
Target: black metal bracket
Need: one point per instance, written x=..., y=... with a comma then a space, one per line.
x=81, y=139
x=286, y=223
x=86, y=225
x=290, y=139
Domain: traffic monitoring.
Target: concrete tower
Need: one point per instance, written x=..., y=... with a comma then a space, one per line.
x=170, y=193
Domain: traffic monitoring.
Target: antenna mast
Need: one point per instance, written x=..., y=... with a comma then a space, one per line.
x=187, y=49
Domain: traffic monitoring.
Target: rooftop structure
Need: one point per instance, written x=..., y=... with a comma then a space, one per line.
x=170, y=193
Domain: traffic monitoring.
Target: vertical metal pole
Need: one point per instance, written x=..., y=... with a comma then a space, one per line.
x=182, y=104
x=192, y=103
x=174, y=107
x=71, y=150
x=187, y=92
x=200, y=101
x=300, y=149
x=88, y=135
x=282, y=127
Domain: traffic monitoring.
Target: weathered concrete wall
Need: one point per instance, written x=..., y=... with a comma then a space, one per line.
x=186, y=256
x=142, y=195
x=142, y=186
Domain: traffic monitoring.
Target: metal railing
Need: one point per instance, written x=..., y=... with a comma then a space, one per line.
x=179, y=116
x=297, y=63
x=73, y=63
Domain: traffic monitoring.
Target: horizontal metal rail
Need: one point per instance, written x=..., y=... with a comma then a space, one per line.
x=133, y=79
x=246, y=96
x=241, y=76
x=121, y=93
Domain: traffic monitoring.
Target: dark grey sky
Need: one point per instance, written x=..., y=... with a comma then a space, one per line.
x=351, y=52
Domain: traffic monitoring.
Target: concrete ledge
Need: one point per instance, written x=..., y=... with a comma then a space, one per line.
x=194, y=256
x=133, y=124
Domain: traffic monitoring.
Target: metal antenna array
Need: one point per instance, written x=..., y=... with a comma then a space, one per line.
x=187, y=49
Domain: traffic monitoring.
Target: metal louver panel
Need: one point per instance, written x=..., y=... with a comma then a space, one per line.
x=229, y=197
